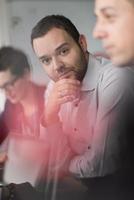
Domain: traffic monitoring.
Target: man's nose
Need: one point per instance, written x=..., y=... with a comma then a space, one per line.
x=99, y=32
x=58, y=66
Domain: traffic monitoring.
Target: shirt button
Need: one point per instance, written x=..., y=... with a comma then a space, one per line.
x=76, y=104
x=75, y=129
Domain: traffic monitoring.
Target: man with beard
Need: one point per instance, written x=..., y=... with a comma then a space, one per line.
x=85, y=104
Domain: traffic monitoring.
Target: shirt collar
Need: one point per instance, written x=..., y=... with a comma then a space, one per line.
x=92, y=75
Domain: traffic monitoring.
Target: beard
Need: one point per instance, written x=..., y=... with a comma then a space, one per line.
x=75, y=71
x=81, y=73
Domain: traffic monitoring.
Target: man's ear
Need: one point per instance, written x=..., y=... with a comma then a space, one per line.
x=83, y=43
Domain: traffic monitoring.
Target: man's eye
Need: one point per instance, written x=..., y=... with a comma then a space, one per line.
x=45, y=61
x=64, y=51
x=109, y=17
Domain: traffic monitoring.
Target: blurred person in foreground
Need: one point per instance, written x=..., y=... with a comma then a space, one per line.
x=115, y=28
x=19, y=122
x=87, y=107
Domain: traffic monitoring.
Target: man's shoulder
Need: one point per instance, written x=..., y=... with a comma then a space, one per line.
x=110, y=72
x=107, y=67
x=104, y=67
x=114, y=78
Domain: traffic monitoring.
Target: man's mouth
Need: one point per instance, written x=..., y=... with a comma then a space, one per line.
x=108, y=48
x=67, y=75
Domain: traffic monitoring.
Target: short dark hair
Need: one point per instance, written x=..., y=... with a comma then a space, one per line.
x=131, y=1
x=54, y=21
x=14, y=60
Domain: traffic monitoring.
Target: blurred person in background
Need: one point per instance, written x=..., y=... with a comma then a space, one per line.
x=22, y=113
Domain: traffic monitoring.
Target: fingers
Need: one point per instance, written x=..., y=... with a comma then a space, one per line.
x=66, y=99
x=64, y=90
x=68, y=92
x=69, y=81
x=68, y=87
